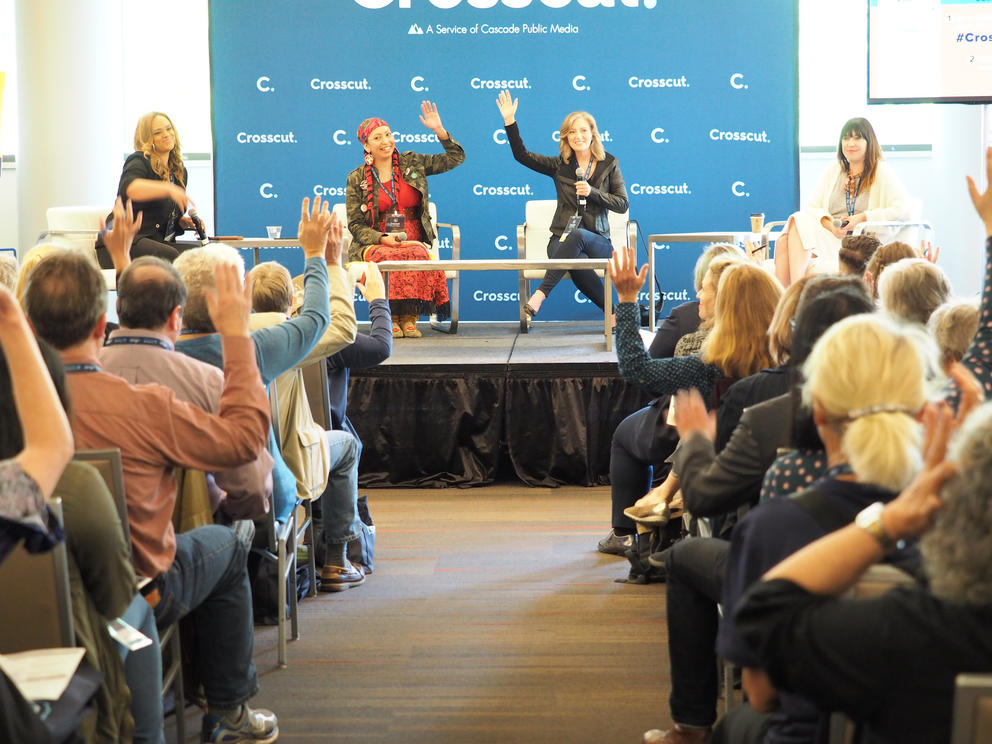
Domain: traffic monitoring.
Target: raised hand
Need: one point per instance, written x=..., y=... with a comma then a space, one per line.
x=625, y=276
x=507, y=105
x=691, y=415
x=431, y=119
x=374, y=287
x=335, y=241
x=119, y=238
x=929, y=252
x=983, y=200
x=315, y=224
x=228, y=302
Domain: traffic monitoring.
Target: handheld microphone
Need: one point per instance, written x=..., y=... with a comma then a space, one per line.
x=201, y=232
x=401, y=236
x=580, y=175
x=838, y=222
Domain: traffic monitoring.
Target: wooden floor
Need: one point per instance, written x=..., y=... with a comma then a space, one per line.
x=490, y=617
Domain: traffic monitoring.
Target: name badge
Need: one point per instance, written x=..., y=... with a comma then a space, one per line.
x=395, y=222
x=574, y=223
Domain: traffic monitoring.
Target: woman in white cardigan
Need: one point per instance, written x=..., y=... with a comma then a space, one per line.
x=859, y=187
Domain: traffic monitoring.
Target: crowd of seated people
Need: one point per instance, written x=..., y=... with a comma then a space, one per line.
x=169, y=400
x=869, y=377
x=882, y=368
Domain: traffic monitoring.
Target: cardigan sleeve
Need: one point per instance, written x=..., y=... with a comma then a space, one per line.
x=540, y=163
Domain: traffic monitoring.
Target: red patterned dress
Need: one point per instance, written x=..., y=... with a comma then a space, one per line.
x=410, y=292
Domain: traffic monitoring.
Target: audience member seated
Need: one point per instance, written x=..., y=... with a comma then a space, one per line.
x=714, y=485
x=953, y=326
x=911, y=289
x=735, y=348
x=200, y=572
x=889, y=662
x=28, y=261
x=328, y=470
x=150, y=301
x=278, y=348
x=855, y=253
x=884, y=256
x=30, y=471
x=866, y=384
x=643, y=440
x=102, y=585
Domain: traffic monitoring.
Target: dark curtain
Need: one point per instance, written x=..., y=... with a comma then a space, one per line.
x=423, y=427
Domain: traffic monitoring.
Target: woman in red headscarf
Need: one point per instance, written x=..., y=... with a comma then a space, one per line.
x=389, y=219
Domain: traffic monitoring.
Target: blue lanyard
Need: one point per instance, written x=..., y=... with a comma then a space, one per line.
x=838, y=470
x=82, y=367
x=141, y=340
x=393, y=197
x=849, y=198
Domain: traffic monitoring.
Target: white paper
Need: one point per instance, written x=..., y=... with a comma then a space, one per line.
x=42, y=674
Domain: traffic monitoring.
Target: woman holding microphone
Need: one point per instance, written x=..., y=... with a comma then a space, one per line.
x=588, y=183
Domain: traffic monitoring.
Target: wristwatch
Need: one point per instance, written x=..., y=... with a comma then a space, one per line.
x=870, y=520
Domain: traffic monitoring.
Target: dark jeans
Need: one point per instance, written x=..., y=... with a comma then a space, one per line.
x=580, y=243
x=641, y=442
x=695, y=580
x=209, y=580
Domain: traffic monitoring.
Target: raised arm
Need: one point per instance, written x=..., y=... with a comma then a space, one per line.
x=48, y=444
x=507, y=105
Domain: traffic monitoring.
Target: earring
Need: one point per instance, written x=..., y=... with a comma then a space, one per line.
x=369, y=159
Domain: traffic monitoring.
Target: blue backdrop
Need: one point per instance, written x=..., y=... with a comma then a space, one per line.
x=697, y=100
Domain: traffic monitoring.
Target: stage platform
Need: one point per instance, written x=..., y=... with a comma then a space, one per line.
x=490, y=402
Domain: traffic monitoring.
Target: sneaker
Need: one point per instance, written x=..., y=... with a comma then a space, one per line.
x=257, y=726
x=615, y=544
x=337, y=579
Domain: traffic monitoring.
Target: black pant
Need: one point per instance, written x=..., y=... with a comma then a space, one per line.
x=641, y=442
x=141, y=247
x=579, y=243
x=695, y=581
x=741, y=725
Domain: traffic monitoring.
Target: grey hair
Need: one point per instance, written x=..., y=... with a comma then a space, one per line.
x=956, y=551
x=911, y=289
x=953, y=325
x=703, y=262
x=196, y=267
x=8, y=271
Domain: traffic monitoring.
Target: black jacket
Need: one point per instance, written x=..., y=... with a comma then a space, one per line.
x=608, y=191
x=155, y=213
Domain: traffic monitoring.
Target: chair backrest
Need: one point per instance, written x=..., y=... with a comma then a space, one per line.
x=538, y=214
x=75, y=227
x=37, y=611
x=109, y=465
x=972, y=722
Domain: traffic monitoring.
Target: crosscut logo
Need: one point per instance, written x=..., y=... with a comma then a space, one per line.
x=419, y=137
x=417, y=84
x=253, y=138
x=604, y=136
x=490, y=84
x=321, y=190
x=502, y=244
x=264, y=84
x=723, y=135
x=319, y=84
x=671, y=189
x=515, y=4
x=266, y=192
x=484, y=190
x=579, y=82
x=667, y=82
x=739, y=188
x=658, y=136
x=480, y=295
x=340, y=137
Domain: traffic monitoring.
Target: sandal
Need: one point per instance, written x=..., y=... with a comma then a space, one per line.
x=397, y=331
x=655, y=515
x=410, y=326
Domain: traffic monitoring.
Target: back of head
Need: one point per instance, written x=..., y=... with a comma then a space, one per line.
x=28, y=261
x=65, y=298
x=271, y=288
x=856, y=251
x=825, y=283
x=746, y=299
x=8, y=271
x=11, y=433
x=956, y=551
x=148, y=290
x=953, y=326
x=196, y=267
x=706, y=258
x=885, y=256
x=780, y=329
x=911, y=289
x=868, y=375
